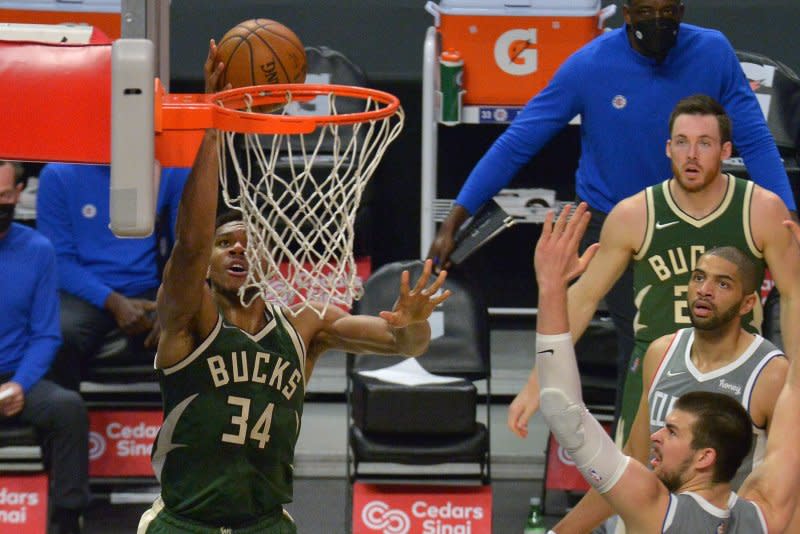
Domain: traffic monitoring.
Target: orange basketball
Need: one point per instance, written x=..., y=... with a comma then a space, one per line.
x=261, y=51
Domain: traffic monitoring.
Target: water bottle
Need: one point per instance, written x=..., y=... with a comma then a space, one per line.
x=451, y=73
x=535, y=524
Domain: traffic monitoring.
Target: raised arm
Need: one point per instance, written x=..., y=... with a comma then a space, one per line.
x=618, y=242
x=403, y=330
x=620, y=237
x=631, y=489
x=774, y=484
x=592, y=509
x=542, y=117
x=184, y=301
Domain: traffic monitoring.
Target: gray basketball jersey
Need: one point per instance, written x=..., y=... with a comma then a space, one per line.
x=746, y=517
x=677, y=375
x=689, y=512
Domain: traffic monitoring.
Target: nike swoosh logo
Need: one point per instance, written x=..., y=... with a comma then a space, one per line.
x=164, y=444
x=548, y=352
x=659, y=225
x=670, y=373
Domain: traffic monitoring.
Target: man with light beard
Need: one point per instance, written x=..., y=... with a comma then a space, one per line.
x=663, y=230
x=705, y=437
x=716, y=355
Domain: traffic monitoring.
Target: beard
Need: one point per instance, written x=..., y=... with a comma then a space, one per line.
x=674, y=480
x=706, y=178
x=715, y=320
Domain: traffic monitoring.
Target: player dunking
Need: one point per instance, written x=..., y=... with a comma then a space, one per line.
x=696, y=453
x=233, y=377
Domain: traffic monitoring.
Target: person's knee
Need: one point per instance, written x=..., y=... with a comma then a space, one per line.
x=70, y=409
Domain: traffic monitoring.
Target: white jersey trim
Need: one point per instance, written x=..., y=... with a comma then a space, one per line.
x=196, y=352
x=732, y=500
x=725, y=369
x=722, y=513
x=297, y=340
x=673, y=346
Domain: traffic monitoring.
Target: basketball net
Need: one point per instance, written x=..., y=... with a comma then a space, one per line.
x=299, y=217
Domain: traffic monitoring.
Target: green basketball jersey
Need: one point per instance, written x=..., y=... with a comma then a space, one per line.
x=232, y=412
x=673, y=242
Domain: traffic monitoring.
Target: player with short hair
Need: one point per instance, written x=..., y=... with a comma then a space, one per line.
x=233, y=376
x=695, y=453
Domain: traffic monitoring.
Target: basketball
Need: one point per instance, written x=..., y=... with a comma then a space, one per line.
x=259, y=52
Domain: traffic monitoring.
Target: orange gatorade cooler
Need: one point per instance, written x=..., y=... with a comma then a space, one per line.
x=511, y=48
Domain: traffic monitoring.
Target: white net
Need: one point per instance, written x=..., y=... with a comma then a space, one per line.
x=298, y=195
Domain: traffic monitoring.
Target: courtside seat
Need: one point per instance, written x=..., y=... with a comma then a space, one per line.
x=425, y=425
x=19, y=448
x=120, y=372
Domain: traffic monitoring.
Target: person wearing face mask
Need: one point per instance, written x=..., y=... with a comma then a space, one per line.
x=30, y=335
x=624, y=84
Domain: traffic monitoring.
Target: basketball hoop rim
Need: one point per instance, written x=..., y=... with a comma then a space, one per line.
x=230, y=116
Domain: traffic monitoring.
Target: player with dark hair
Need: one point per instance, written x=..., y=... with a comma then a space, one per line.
x=705, y=436
x=233, y=376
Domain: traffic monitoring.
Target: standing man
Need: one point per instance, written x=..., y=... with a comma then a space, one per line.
x=715, y=355
x=29, y=339
x=233, y=376
x=695, y=454
x=106, y=282
x=663, y=230
x=624, y=84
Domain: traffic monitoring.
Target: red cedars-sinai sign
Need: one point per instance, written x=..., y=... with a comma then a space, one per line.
x=120, y=442
x=23, y=503
x=401, y=509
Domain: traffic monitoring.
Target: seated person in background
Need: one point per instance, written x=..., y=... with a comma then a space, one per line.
x=29, y=339
x=105, y=282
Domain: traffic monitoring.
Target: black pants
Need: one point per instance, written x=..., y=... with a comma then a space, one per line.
x=84, y=328
x=62, y=424
x=619, y=302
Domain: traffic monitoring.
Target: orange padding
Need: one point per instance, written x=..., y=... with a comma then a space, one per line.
x=56, y=102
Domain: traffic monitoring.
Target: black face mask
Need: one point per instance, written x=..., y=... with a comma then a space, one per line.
x=6, y=216
x=656, y=36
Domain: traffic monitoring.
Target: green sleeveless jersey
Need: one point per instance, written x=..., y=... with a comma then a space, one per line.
x=232, y=410
x=673, y=242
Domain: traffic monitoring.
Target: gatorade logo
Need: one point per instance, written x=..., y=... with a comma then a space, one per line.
x=515, y=52
x=377, y=515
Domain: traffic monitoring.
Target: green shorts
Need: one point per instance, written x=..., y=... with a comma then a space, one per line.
x=631, y=394
x=159, y=520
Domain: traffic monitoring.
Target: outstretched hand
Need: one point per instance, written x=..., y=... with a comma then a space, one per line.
x=522, y=408
x=556, y=259
x=416, y=305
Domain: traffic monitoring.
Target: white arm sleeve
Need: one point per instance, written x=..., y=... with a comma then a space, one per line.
x=561, y=402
